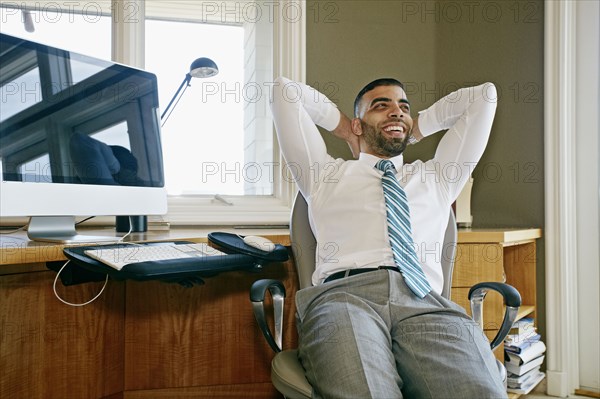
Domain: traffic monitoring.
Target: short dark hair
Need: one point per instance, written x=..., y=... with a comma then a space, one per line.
x=371, y=86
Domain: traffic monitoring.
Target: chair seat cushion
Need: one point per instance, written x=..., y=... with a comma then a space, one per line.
x=287, y=375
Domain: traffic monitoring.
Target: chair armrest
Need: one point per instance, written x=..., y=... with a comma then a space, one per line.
x=512, y=299
x=257, y=296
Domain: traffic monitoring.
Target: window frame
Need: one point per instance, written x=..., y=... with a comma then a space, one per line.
x=289, y=55
x=289, y=59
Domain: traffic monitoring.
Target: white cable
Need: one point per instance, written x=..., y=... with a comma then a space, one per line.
x=76, y=304
x=105, y=281
x=22, y=228
x=129, y=232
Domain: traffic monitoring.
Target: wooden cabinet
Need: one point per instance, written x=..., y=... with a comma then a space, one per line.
x=504, y=255
x=156, y=339
x=138, y=339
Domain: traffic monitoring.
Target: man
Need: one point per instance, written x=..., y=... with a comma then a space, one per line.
x=374, y=324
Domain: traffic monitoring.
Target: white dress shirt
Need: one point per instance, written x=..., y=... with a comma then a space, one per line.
x=345, y=198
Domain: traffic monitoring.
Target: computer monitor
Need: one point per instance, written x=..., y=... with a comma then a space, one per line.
x=79, y=136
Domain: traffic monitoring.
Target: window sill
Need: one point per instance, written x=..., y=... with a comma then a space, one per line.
x=228, y=211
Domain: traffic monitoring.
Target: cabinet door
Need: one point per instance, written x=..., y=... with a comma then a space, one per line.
x=51, y=350
x=476, y=263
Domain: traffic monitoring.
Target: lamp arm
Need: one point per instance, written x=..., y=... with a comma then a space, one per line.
x=186, y=81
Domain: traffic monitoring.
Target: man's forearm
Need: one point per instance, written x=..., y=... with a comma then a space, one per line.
x=289, y=95
x=445, y=112
x=468, y=115
x=297, y=109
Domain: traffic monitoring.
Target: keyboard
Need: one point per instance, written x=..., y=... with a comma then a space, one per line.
x=118, y=257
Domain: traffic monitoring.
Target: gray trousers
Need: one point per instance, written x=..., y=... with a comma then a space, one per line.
x=369, y=336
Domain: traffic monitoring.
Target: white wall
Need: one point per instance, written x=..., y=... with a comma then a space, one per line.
x=588, y=194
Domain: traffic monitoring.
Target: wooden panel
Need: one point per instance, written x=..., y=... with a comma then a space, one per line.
x=520, y=264
x=584, y=392
x=525, y=311
x=51, y=350
x=500, y=235
x=200, y=336
x=23, y=268
x=475, y=263
x=118, y=395
x=246, y=391
x=17, y=249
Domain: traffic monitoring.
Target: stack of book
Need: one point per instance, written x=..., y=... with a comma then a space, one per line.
x=523, y=355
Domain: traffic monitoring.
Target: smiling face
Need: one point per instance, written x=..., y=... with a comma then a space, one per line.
x=384, y=122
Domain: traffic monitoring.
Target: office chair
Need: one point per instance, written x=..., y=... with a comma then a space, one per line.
x=287, y=373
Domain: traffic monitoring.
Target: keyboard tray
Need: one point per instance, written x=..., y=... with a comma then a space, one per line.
x=173, y=269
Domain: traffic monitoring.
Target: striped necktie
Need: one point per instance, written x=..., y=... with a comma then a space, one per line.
x=398, y=218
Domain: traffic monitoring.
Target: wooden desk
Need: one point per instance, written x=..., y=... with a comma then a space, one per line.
x=139, y=339
x=160, y=340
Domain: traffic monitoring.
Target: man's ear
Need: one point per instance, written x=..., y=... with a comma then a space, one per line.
x=357, y=127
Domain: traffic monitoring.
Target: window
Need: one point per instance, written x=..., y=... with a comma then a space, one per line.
x=219, y=139
x=24, y=84
x=67, y=25
x=30, y=170
x=203, y=138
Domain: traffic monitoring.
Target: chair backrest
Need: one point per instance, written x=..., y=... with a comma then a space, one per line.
x=304, y=246
x=449, y=253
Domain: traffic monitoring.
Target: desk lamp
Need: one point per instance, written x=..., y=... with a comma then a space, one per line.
x=200, y=68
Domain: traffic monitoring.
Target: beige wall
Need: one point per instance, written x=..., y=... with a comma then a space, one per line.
x=435, y=46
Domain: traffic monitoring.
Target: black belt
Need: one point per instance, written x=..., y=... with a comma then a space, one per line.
x=354, y=272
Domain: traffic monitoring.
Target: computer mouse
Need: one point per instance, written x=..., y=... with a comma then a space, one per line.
x=258, y=242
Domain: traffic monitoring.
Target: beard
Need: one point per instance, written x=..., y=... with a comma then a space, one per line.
x=381, y=145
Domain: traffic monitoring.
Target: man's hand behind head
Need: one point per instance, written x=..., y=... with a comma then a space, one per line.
x=344, y=132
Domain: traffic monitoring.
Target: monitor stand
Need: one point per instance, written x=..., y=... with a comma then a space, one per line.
x=61, y=229
x=135, y=224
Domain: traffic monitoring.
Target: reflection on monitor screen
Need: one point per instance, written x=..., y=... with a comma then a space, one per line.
x=78, y=136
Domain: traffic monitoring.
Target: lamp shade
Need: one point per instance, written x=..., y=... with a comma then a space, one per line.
x=203, y=68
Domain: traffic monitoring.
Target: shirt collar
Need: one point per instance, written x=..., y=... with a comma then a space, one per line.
x=398, y=160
